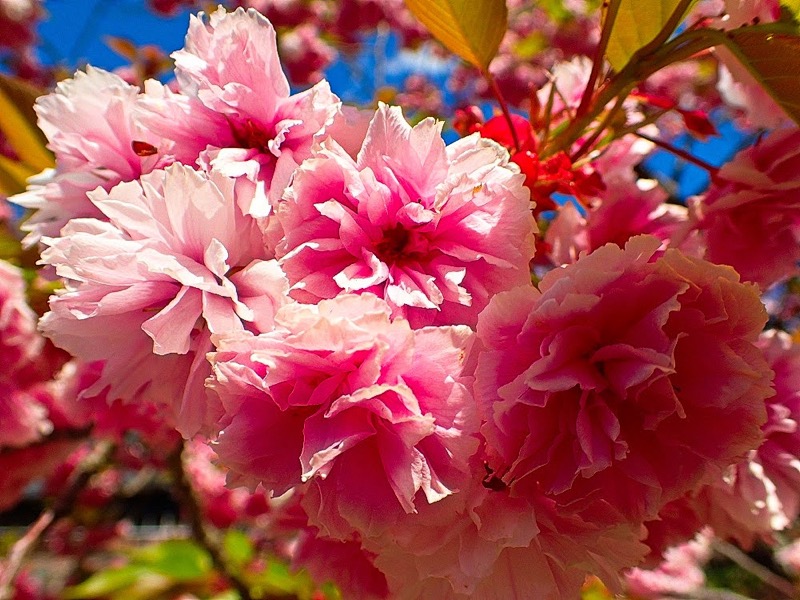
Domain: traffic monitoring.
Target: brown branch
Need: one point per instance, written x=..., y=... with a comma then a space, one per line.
x=770, y=578
x=187, y=498
x=63, y=506
x=503, y=106
x=58, y=435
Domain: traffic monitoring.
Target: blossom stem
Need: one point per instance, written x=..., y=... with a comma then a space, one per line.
x=201, y=533
x=773, y=580
x=188, y=500
x=608, y=24
x=601, y=127
x=503, y=106
x=640, y=67
x=680, y=153
x=96, y=461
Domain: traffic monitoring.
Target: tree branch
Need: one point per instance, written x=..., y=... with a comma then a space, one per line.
x=63, y=506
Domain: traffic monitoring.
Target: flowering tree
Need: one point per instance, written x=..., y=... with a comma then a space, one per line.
x=369, y=363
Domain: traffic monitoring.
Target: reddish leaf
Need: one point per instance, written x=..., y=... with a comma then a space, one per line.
x=773, y=58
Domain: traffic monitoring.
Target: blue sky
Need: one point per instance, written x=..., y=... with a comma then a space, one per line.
x=73, y=33
x=75, y=30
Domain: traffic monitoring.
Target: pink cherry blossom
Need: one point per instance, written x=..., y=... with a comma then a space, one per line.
x=305, y=53
x=75, y=408
x=145, y=290
x=222, y=506
x=751, y=214
x=780, y=452
x=761, y=494
x=91, y=127
x=23, y=417
x=20, y=467
x=433, y=230
x=345, y=563
x=679, y=574
x=602, y=383
x=18, y=18
x=622, y=211
x=367, y=410
x=234, y=112
x=484, y=544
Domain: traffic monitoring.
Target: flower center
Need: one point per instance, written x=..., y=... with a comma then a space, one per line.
x=392, y=248
x=251, y=135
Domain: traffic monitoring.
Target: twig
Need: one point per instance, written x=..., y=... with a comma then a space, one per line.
x=612, y=9
x=188, y=500
x=773, y=580
x=92, y=464
x=680, y=153
x=601, y=127
x=503, y=106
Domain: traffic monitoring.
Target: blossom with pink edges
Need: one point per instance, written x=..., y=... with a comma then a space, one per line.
x=91, y=126
x=679, y=574
x=433, y=230
x=750, y=217
x=485, y=544
x=146, y=289
x=374, y=415
x=601, y=384
x=234, y=112
x=759, y=495
x=622, y=211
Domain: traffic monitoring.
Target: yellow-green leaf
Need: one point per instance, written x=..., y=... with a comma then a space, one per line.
x=18, y=123
x=472, y=29
x=773, y=58
x=793, y=6
x=13, y=176
x=637, y=24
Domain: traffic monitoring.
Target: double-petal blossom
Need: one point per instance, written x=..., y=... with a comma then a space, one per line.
x=146, y=289
x=433, y=230
x=234, y=112
x=602, y=384
x=365, y=409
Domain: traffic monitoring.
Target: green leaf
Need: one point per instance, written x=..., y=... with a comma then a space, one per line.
x=238, y=548
x=637, y=23
x=181, y=560
x=472, y=29
x=104, y=583
x=773, y=58
x=18, y=123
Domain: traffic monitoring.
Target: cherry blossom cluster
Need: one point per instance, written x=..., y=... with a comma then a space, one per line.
x=343, y=307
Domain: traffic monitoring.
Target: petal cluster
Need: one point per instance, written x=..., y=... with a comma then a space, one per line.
x=751, y=214
x=23, y=418
x=602, y=383
x=433, y=230
x=146, y=288
x=368, y=410
x=234, y=111
x=91, y=126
